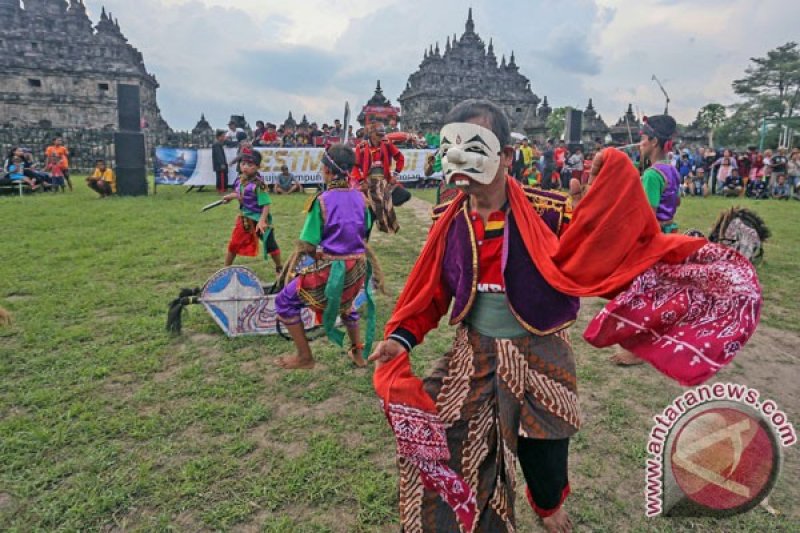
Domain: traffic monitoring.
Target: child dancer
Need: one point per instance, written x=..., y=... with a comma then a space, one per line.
x=254, y=222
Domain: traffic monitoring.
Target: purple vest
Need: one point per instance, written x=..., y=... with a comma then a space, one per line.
x=343, y=212
x=670, y=198
x=539, y=308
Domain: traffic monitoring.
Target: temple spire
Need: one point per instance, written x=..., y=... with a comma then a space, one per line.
x=103, y=15
x=470, y=26
x=447, y=45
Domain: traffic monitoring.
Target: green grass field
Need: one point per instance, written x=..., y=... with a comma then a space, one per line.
x=109, y=423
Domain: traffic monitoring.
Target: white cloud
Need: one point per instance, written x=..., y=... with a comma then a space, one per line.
x=265, y=57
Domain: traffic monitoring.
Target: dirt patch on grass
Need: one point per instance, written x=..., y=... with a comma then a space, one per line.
x=264, y=438
x=6, y=501
x=420, y=208
x=122, y=387
x=18, y=296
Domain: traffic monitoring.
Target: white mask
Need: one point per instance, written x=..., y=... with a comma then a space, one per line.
x=469, y=150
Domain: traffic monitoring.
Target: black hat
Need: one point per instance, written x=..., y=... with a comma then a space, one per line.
x=251, y=157
x=660, y=126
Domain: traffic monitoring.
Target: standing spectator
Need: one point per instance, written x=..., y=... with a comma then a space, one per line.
x=350, y=135
x=684, y=164
x=62, y=153
x=302, y=138
x=548, y=165
x=55, y=167
x=337, y=131
x=392, y=127
x=780, y=190
x=288, y=140
x=220, y=162
x=573, y=168
x=287, y=183
x=793, y=170
x=779, y=163
x=317, y=139
x=767, y=166
x=743, y=163
x=102, y=181
x=724, y=165
x=233, y=135
x=560, y=155
x=518, y=162
x=258, y=134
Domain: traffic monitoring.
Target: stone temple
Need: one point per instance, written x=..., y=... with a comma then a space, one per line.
x=469, y=69
x=59, y=71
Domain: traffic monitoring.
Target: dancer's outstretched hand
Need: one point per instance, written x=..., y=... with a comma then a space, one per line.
x=385, y=351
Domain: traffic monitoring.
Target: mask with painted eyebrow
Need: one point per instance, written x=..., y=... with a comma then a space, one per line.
x=469, y=152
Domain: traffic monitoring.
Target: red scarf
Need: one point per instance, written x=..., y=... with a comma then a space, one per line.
x=613, y=237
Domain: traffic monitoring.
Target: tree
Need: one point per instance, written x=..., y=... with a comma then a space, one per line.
x=772, y=84
x=710, y=117
x=556, y=122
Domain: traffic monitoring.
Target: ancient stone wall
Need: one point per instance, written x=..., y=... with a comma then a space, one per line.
x=58, y=70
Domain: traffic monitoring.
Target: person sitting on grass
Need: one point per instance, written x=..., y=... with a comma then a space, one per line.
x=698, y=184
x=287, y=183
x=102, y=181
x=254, y=222
x=734, y=185
x=334, y=236
x=780, y=190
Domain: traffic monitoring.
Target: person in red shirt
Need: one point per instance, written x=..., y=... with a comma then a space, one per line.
x=374, y=159
x=59, y=151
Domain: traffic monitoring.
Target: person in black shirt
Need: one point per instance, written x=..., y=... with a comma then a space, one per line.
x=219, y=161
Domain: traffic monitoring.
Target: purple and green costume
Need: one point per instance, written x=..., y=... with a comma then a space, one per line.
x=336, y=224
x=662, y=184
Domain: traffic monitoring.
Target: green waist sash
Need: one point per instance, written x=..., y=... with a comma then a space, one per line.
x=491, y=316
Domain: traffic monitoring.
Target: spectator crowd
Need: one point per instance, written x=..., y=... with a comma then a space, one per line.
x=704, y=171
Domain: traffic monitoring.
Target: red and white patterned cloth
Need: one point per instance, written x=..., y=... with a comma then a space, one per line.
x=688, y=320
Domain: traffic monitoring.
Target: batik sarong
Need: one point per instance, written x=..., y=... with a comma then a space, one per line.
x=380, y=199
x=489, y=392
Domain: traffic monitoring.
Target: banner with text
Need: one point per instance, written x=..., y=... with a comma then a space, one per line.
x=193, y=167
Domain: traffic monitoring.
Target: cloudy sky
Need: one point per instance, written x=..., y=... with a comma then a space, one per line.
x=264, y=58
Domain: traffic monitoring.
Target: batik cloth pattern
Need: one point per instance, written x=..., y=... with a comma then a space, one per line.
x=309, y=287
x=489, y=392
x=380, y=199
x=688, y=320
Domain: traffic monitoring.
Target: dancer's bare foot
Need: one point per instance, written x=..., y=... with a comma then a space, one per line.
x=558, y=522
x=356, y=354
x=295, y=362
x=625, y=358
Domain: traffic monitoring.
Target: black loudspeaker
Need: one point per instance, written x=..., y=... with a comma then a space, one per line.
x=130, y=164
x=129, y=150
x=131, y=181
x=129, y=107
x=573, y=130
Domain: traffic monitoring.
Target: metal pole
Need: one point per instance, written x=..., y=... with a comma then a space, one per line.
x=763, y=134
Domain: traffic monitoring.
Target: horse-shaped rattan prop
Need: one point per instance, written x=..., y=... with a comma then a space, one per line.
x=241, y=305
x=741, y=229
